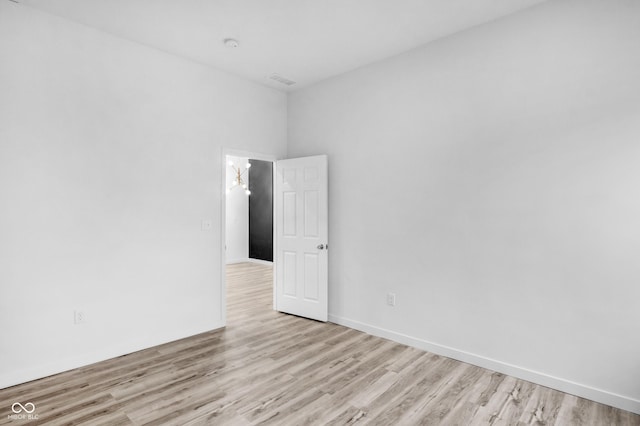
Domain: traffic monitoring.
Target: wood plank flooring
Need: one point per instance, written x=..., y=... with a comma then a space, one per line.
x=275, y=369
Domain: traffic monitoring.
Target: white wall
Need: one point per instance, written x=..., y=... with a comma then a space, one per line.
x=237, y=220
x=110, y=157
x=491, y=180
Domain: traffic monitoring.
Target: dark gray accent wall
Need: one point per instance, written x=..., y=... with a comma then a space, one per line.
x=261, y=210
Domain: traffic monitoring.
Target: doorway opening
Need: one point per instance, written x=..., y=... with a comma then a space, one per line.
x=248, y=218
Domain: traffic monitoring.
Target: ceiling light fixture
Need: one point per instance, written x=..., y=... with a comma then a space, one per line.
x=238, y=182
x=231, y=42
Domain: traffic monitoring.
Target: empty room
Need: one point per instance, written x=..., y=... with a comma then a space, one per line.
x=320, y=212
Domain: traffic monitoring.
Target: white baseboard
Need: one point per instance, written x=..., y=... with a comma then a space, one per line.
x=59, y=366
x=249, y=260
x=260, y=262
x=241, y=260
x=584, y=391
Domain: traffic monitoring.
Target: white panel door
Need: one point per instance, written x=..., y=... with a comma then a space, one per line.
x=301, y=260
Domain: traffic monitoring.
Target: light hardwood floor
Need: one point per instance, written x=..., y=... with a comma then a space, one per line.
x=271, y=368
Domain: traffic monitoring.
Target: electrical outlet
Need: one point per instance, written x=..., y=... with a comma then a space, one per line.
x=79, y=317
x=391, y=299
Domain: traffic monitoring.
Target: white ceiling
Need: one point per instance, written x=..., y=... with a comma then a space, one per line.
x=301, y=40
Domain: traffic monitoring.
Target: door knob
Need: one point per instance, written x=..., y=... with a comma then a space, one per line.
x=320, y=247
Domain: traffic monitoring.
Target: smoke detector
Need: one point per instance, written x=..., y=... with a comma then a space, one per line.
x=231, y=42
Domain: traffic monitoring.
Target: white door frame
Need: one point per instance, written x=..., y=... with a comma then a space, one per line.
x=223, y=222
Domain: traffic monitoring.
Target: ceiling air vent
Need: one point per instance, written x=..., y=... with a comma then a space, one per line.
x=281, y=79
